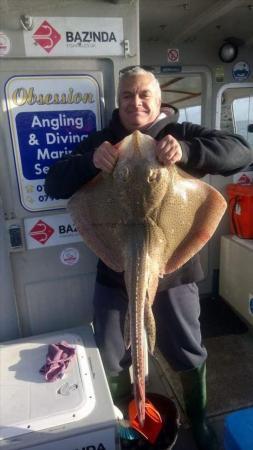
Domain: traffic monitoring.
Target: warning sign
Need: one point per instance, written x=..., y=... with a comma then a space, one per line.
x=173, y=55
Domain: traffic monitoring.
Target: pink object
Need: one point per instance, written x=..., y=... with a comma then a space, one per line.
x=58, y=358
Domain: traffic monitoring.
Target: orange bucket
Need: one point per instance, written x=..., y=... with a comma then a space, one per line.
x=162, y=421
x=153, y=421
x=241, y=210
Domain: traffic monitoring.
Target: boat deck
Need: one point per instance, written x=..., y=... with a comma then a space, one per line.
x=229, y=387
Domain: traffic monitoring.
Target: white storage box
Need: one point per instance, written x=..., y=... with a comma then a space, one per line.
x=236, y=284
x=74, y=412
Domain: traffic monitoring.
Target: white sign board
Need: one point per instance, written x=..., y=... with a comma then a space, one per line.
x=49, y=116
x=75, y=36
x=48, y=231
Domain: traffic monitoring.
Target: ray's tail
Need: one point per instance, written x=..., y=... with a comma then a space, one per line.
x=136, y=277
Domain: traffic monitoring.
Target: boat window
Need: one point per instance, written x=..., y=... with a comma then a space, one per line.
x=235, y=110
x=242, y=109
x=190, y=114
x=185, y=93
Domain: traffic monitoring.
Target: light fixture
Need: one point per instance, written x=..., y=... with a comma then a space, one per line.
x=228, y=52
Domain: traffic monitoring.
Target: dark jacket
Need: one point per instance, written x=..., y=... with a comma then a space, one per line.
x=204, y=152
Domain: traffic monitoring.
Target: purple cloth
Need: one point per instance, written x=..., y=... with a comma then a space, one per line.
x=58, y=358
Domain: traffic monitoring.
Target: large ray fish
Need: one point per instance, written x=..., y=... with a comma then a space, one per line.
x=146, y=220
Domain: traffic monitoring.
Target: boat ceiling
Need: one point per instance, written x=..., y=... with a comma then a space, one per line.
x=181, y=21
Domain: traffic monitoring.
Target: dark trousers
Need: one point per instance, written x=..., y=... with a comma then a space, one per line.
x=178, y=334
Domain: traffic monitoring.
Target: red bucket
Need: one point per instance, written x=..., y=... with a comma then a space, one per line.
x=241, y=210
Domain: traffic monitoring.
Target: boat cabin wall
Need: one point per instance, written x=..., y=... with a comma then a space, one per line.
x=59, y=67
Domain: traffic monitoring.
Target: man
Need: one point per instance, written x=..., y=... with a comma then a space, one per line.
x=196, y=150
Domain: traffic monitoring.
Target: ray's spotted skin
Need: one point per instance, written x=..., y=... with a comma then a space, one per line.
x=145, y=220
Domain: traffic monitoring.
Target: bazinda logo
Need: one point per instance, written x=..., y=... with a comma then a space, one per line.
x=46, y=36
x=90, y=36
x=41, y=232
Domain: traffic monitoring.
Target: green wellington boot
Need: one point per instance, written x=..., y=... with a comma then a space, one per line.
x=194, y=392
x=120, y=385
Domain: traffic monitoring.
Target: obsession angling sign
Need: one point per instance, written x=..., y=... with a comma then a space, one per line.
x=75, y=36
x=49, y=116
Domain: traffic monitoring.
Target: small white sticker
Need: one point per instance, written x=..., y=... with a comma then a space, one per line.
x=241, y=71
x=69, y=256
x=5, y=44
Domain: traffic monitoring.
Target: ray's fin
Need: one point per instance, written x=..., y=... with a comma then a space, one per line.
x=127, y=337
x=150, y=327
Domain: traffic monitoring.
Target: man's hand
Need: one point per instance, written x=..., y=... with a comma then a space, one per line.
x=105, y=157
x=168, y=150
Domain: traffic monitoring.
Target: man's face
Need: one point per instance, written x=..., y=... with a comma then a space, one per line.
x=139, y=104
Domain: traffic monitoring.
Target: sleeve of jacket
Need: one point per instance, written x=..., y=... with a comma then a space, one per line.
x=212, y=151
x=68, y=174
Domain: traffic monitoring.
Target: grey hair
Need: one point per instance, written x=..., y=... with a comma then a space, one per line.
x=135, y=71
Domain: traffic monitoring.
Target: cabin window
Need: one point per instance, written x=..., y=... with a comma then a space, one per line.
x=243, y=117
x=190, y=114
x=235, y=110
x=183, y=91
